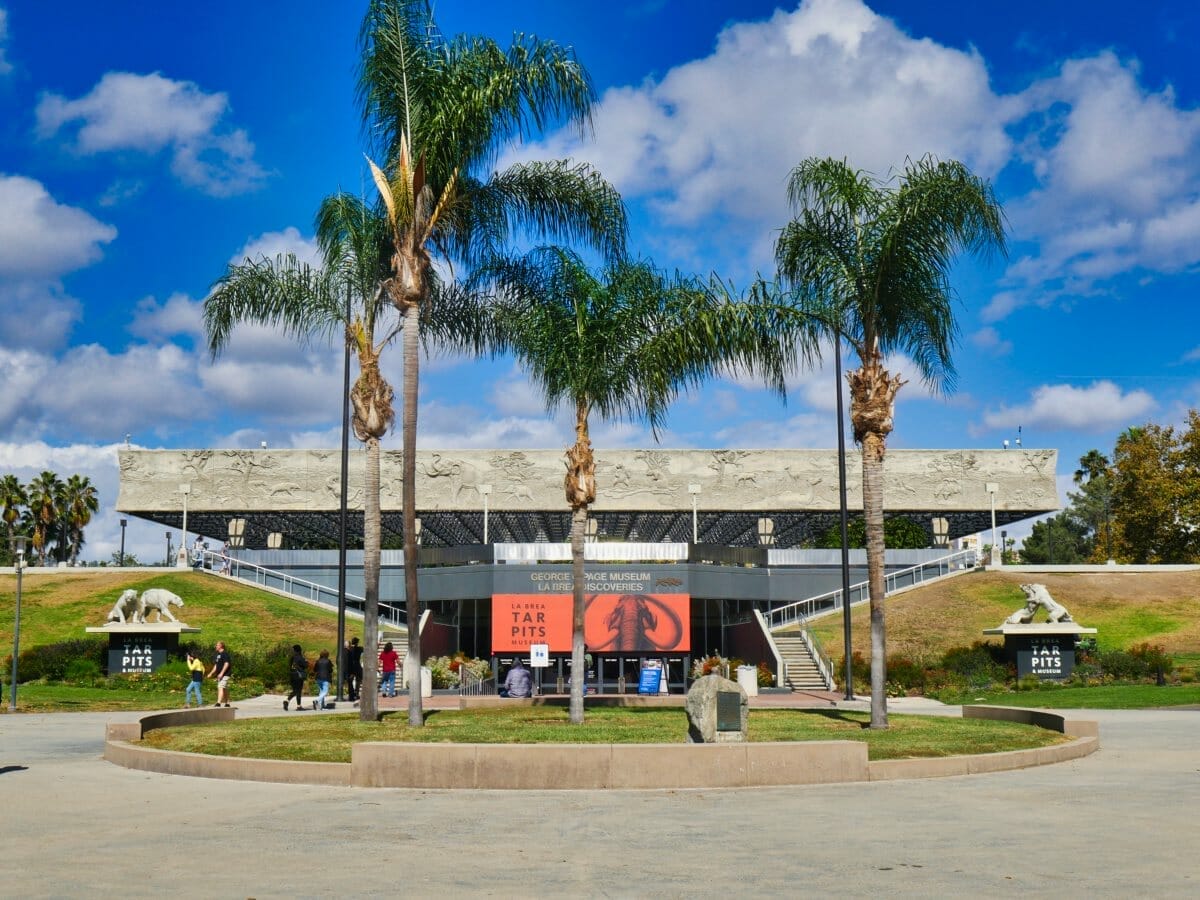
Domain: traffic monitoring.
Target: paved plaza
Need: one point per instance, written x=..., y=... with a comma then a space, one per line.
x=1122, y=822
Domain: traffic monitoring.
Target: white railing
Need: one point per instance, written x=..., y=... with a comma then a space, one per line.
x=799, y=611
x=389, y=613
x=824, y=666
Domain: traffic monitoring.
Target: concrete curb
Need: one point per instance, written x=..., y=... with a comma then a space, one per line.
x=591, y=766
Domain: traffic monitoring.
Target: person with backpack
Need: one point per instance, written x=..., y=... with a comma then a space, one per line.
x=298, y=672
x=323, y=672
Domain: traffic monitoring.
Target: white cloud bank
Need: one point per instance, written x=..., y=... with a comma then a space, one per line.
x=150, y=114
x=1064, y=407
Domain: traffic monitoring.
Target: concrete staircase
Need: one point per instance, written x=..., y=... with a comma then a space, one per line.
x=802, y=672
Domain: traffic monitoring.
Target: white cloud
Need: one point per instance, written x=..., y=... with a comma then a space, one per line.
x=1118, y=171
x=41, y=238
x=271, y=244
x=829, y=78
x=988, y=339
x=178, y=315
x=151, y=113
x=49, y=329
x=5, y=65
x=1064, y=407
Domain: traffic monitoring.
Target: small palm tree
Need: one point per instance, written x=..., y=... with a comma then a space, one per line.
x=869, y=262
x=441, y=110
x=13, y=498
x=78, y=502
x=342, y=298
x=622, y=346
x=45, y=512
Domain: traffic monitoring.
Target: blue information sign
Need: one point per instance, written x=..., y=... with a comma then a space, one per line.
x=650, y=680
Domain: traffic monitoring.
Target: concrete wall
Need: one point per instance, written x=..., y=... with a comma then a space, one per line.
x=591, y=766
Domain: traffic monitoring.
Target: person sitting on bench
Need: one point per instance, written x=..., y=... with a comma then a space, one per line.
x=518, y=683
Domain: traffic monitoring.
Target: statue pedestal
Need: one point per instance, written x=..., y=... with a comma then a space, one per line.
x=1046, y=650
x=141, y=648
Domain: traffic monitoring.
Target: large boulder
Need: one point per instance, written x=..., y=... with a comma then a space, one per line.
x=718, y=711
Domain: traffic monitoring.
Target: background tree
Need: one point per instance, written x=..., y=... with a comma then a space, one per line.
x=13, y=498
x=620, y=346
x=1152, y=483
x=1060, y=539
x=343, y=298
x=899, y=533
x=78, y=503
x=44, y=492
x=870, y=261
x=1092, y=503
x=441, y=110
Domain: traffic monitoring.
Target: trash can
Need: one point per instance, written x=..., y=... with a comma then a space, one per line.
x=426, y=681
x=747, y=678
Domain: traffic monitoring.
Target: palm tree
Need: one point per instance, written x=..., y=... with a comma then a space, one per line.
x=44, y=492
x=622, y=345
x=12, y=497
x=342, y=298
x=1092, y=464
x=441, y=111
x=870, y=261
x=78, y=502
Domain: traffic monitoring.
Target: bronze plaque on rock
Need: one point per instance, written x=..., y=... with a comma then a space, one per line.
x=729, y=711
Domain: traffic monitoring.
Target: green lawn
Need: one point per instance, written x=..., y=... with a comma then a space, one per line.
x=327, y=738
x=1108, y=696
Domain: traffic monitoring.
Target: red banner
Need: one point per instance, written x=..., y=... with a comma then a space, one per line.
x=612, y=623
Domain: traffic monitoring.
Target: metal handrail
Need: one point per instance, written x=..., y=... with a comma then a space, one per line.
x=298, y=587
x=824, y=665
x=801, y=610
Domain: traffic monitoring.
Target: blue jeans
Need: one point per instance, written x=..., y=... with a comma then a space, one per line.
x=387, y=687
x=193, y=687
x=322, y=692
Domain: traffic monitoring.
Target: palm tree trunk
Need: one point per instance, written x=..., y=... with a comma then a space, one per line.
x=368, y=697
x=872, y=461
x=578, y=663
x=412, y=662
x=580, y=487
x=872, y=407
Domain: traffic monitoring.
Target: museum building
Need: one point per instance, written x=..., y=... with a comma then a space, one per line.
x=688, y=551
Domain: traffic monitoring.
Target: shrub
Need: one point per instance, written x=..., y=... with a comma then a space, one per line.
x=904, y=675
x=82, y=671
x=50, y=661
x=443, y=674
x=766, y=677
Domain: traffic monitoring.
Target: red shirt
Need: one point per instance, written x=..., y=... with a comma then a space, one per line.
x=387, y=660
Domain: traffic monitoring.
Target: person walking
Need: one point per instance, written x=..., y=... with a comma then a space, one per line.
x=298, y=672
x=352, y=669
x=222, y=670
x=196, y=678
x=323, y=673
x=387, y=667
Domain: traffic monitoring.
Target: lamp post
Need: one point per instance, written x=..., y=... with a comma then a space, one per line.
x=181, y=561
x=342, y=509
x=992, y=487
x=19, y=547
x=694, y=490
x=124, y=522
x=274, y=540
x=485, y=490
x=844, y=517
x=168, y=562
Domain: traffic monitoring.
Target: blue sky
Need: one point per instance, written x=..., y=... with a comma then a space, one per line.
x=145, y=146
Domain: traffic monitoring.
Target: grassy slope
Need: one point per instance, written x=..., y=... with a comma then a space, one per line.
x=59, y=606
x=1126, y=608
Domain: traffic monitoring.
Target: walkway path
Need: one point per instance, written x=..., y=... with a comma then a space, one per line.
x=1122, y=822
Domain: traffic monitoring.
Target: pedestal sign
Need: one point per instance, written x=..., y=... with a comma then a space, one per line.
x=1046, y=651
x=539, y=656
x=141, y=648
